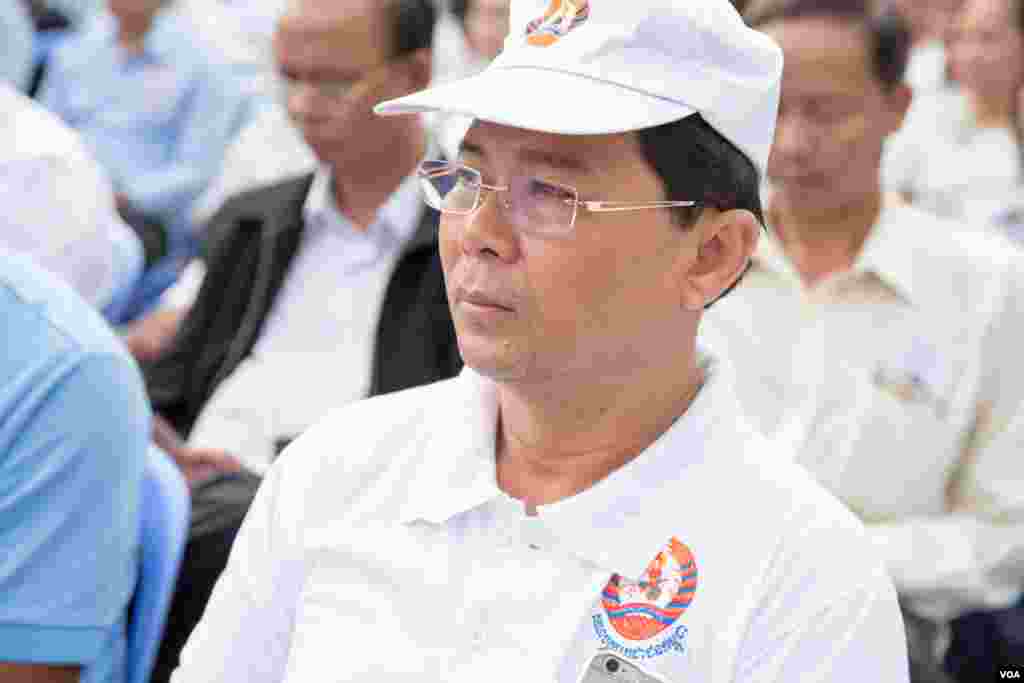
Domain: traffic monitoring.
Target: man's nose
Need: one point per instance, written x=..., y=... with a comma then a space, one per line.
x=794, y=139
x=489, y=232
x=300, y=99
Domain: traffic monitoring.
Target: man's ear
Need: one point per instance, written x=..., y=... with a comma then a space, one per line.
x=727, y=241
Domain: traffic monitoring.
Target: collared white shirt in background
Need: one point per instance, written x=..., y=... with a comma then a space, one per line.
x=58, y=205
x=952, y=168
x=381, y=548
x=900, y=385
x=316, y=348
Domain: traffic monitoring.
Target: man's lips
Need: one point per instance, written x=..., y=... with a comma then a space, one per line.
x=485, y=301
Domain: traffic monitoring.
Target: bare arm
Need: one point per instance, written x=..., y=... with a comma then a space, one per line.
x=37, y=673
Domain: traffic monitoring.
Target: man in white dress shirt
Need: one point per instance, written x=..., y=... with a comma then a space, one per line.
x=881, y=341
x=584, y=502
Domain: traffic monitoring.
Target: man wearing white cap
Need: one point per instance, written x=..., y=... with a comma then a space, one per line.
x=583, y=503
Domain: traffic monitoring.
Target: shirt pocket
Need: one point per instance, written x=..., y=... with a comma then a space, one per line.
x=903, y=446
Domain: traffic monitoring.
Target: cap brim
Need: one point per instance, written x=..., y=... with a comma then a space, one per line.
x=542, y=100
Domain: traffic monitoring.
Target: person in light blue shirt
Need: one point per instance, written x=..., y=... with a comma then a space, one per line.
x=16, y=36
x=154, y=103
x=74, y=433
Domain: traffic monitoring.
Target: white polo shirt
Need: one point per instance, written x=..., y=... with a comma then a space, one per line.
x=900, y=386
x=380, y=548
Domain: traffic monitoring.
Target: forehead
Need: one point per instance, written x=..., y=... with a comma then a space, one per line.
x=321, y=34
x=984, y=14
x=822, y=54
x=490, y=6
x=588, y=153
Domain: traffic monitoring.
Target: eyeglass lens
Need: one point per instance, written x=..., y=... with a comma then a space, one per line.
x=530, y=203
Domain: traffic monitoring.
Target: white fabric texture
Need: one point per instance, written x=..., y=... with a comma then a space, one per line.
x=899, y=386
x=381, y=548
x=947, y=165
x=58, y=205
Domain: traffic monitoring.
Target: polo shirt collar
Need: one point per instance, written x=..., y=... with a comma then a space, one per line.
x=457, y=446
x=891, y=252
x=395, y=222
x=620, y=522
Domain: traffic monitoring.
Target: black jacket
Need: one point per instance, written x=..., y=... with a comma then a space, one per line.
x=252, y=241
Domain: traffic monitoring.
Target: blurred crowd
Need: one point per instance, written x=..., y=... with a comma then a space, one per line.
x=250, y=249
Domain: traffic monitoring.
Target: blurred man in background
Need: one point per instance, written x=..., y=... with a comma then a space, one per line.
x=879, y=340
x=319, y=290
x=156, y=105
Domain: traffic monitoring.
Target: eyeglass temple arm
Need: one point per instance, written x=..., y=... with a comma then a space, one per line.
x=631, y=206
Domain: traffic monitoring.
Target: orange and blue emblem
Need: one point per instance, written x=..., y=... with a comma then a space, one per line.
x=641, y=610
x=561, y=17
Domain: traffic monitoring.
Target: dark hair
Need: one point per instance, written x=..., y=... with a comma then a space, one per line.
x=459, y=9
x=696, y=162
x=888, y=32
x=413, y=25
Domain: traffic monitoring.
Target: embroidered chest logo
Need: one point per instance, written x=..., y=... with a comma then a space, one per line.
x=561, y=17
x=642, y=614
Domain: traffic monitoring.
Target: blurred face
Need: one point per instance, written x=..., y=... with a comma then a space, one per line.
x=603, y=297
x=986, y=48
x=833, y=115
x=334, y=57
x=486, y=26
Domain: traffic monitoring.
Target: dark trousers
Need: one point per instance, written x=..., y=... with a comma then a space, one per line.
x=218, y=508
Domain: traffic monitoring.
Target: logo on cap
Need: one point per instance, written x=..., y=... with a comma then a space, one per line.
x=640, y=610
x=561, y=17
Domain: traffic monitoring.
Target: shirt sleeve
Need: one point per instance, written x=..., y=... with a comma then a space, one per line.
x=215, y=110
x=16, y=49
x=856, y=637
x=245, y=632
x=973, y=557
x=71, y=464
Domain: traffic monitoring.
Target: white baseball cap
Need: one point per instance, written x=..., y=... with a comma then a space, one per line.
x=578, y=67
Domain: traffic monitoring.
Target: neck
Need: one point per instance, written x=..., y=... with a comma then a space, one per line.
x=361, y=189
x=822, y=242
x=131, y=32
x=992, y=111
x=554, y=442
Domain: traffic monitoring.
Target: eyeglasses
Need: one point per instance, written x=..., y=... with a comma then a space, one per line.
x=337, y=90
x=532, y=205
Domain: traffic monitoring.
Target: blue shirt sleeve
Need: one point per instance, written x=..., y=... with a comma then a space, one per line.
x=16, y=48
x=72, y=449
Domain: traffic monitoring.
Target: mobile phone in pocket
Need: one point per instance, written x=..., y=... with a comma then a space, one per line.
x=606, y=667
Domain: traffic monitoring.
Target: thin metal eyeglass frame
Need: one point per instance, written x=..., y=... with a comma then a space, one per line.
x=593, y=206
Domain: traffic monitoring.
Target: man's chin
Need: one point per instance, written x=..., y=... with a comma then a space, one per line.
x=498, y=359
